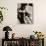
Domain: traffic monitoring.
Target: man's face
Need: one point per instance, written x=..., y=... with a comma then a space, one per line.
x=29, y=9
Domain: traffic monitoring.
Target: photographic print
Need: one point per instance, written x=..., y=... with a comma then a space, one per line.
x=25, y=13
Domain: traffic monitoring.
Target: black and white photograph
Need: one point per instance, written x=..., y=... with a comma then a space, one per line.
x=25, y=13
